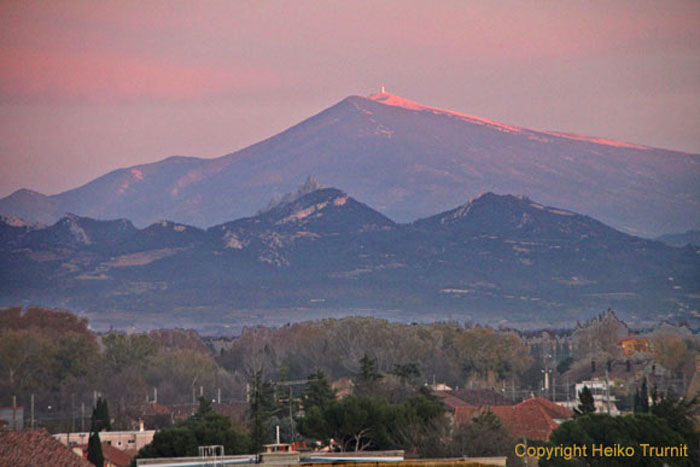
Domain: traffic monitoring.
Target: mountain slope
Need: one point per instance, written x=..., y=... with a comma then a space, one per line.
x=493, y=258
x=407, y=161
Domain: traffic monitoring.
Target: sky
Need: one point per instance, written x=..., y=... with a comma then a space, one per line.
x=88, y=87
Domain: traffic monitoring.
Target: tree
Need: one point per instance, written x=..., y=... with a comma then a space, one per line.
x=627, y=431
x=94, y=454
x=123, y=350
x=204, y=428
x=406, y=372
x=586, y=402
x=262, y=407
x=681, y=416
x=318, y=391
x=368, y=369
x=371, y=422
x=100, y=416
x=484, y=436
x=641, y=399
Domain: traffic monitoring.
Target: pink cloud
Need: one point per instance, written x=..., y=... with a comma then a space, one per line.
x=30, y=75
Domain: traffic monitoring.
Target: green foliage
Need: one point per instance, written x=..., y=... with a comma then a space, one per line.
x=681, y=417
x=406, y=372
x=204, y=428
x=641, y=399
x=100, y=416
x=25, y=357
x=586, y=402
x=490, y=355
x=94, y=453
x=338, y=345
x=371, y=422
x=564, y=365
x=123, y=350
x=484, y=436
x=262, y=408
x=318, y=391
x=605, y=430
x=368, y=369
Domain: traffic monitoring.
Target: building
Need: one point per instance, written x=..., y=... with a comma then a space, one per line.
x=634, y=345
x=534, y=418
x=124, y=440
x=343, y=387
x=13, y=417
x=602, y=394
x=36, y=448
x=113, y=457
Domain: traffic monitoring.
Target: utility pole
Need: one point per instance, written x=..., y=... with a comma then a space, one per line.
x=32, y=410
x=82, y=417
x=607, y=391
x=14, y=413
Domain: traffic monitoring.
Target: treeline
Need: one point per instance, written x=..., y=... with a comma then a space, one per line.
x=449, y=353
x=55, y=357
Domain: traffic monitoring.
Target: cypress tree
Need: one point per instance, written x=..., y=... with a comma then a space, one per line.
x=644, y=397
x=100, y=416
x=262, y=407
x=586, y=402
x=318, y=391
x=94, y=453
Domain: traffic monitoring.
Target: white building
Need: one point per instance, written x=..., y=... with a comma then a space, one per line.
x=124, y=440
x=602, y=393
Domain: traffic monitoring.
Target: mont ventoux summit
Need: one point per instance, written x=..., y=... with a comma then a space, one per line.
x=412, y=232
x=404, y=159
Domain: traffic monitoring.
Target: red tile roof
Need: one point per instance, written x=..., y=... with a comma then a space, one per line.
x=480, y=397
x=154, y=408
x=451, y=401
x=115, y=456
x=533, y=418
x=36, y=448
x=112, y=455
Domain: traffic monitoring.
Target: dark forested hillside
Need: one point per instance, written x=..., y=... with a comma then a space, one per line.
x=495, y=258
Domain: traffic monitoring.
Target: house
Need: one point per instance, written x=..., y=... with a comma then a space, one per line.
x=13, y=417
x=113, y=457
x=633, y=345
x=471, y=398
x=36, y=448
x=602, y=395
x=451, y=402
x=480, y=397
x=343, y=387
x=534, y=418
x=124, y=440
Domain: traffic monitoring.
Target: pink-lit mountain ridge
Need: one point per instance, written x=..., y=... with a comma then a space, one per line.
x=405, y=159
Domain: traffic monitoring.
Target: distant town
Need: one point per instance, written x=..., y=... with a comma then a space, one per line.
x=356, y=389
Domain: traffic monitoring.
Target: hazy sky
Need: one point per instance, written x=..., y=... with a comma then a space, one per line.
x=90, y=86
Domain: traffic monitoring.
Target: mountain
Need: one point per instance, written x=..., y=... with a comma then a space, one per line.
x=496, y=258
x=691, y=237
x=406, y=160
